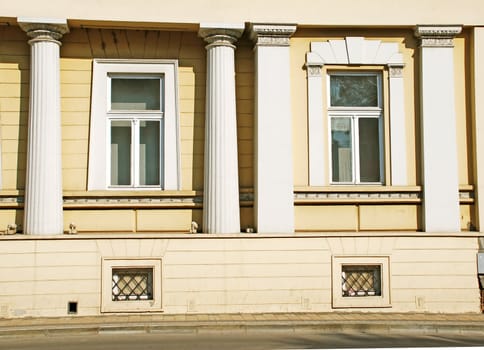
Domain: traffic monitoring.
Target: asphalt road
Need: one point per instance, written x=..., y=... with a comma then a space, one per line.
x=238, y=341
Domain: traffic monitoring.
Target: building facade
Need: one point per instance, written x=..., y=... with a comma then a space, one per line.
x=277, y=157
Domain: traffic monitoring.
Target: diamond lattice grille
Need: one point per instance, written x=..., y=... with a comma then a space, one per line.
x=361, y=280
x=132, y=284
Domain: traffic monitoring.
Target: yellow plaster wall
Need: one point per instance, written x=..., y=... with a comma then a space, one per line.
x=385, y=217
x=167, y=220
x=244, y=85
x=477, y=125
x=326, y=218
x=80, y=46
x=10, y=216
x=463, y=107
x=131, y=220
x=14, y=104
x=357, y=217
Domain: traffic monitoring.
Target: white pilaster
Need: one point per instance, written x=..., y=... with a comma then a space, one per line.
x=478, y=75
x=398, y=137
x=438, y=124
x=43, y=187
x=316, y=126
x=274, y=185
x=221, y=212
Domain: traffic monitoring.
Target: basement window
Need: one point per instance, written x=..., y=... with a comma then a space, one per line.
x=131, y=285
x=361, y=282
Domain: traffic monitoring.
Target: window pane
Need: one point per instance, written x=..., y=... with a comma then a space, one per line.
x=361, y=280
x=132, y=284
x=369, y=150
x=135, y=94
x=341, y=145
x=149, y=153
x=354, y=90
x=120, y=153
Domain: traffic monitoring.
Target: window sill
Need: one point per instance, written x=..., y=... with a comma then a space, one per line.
x=120, y=199
x=130, y=193
x=358, y=194
x=357, y=188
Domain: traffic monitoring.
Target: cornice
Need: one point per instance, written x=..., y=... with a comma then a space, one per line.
x=272, y=34
x=437, y=35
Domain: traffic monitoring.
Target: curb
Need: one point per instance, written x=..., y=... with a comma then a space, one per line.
x=292, y=326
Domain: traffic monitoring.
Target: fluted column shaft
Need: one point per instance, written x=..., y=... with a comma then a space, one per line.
x=221, y=212
x=43, y=188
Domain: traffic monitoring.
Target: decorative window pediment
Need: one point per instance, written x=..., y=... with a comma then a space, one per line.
x=354, y=50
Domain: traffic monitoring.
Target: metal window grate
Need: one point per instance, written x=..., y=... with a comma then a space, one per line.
x=361, y=280
x=132, y=284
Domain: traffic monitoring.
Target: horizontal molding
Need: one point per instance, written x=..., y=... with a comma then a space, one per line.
x=374, y=194
x=242, y=236
x=194, y=199
x=357, y=197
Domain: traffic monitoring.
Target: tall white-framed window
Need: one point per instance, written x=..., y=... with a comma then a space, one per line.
x=355, y=115
x=134, y=137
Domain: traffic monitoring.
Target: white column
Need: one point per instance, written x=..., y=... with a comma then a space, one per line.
x=478, y=127
x=398, y=135
x=43, y=188
x=221, y=211
x=438, y=126
x=274, y=185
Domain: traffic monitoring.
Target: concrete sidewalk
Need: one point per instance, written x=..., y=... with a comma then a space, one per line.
x=287, y=322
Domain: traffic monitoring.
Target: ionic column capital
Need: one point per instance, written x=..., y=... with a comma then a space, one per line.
x=437, y=35
x=272, y=34
x=50, y=30
x=221, y=34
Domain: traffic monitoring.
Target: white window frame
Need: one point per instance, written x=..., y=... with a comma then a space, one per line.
x=108, y=305
x=376, y=301
x=356, y=113
x=99, y=150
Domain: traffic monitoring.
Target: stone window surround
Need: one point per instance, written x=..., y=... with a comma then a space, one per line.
x=354, y=51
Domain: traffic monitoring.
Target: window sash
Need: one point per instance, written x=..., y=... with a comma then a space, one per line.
x=141, y=170
x=129, y=95
x=348, y=160
x=377, y=75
